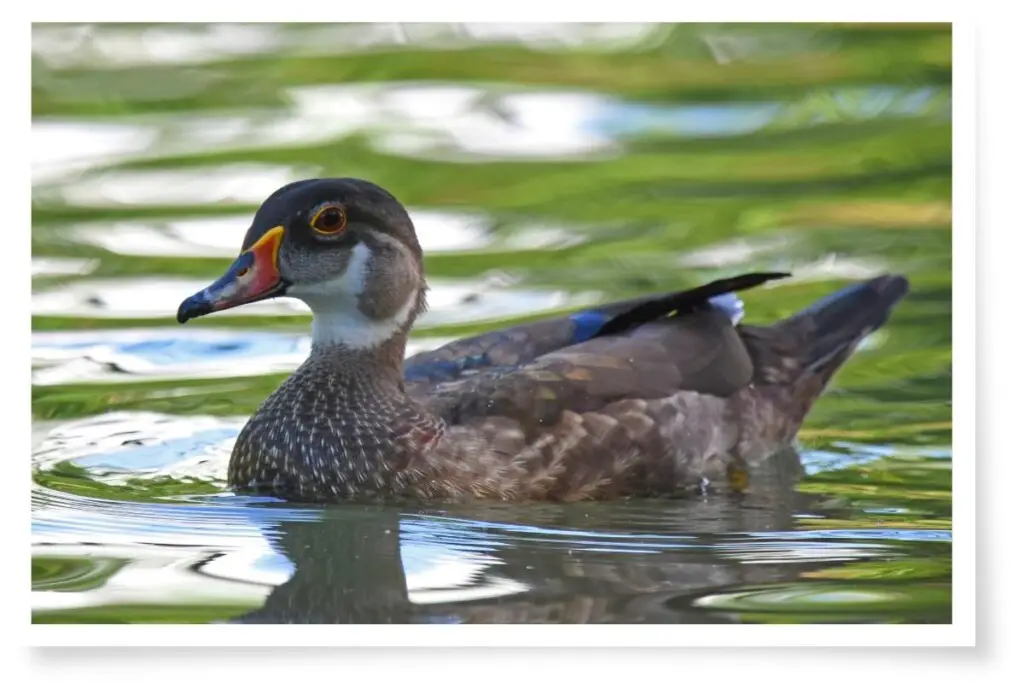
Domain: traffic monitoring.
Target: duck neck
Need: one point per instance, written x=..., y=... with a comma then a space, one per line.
x=377, y=367
x=361, y=392
x=341, y=425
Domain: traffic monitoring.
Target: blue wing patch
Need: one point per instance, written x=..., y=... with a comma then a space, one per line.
x=587, y=324
x=441, y=370
x=729, y=303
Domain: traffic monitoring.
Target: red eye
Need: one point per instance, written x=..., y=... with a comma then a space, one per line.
x=330, y=220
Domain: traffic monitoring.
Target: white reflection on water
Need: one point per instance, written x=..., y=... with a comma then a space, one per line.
x=435, y=120
x=124, y=46
x=835, y=266
x=62, y=266
x=234, y=184
x=425, y=120
x=64, y=148
x=152, y=566
x=162, y=353
x=110, y=45
x=122, y=444
x=731, y=253
x=780, y=249
x=241, y=569
x=436, y=574
x=429, y=120
x=462, y=123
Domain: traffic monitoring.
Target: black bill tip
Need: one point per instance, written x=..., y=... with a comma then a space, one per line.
x=193, y=307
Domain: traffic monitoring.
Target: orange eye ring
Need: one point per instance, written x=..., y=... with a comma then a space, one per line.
x=330, y=220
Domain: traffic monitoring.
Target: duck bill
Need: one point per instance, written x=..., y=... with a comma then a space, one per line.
x=253, y=276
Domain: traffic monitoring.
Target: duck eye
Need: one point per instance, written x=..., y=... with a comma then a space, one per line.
x=329, y=220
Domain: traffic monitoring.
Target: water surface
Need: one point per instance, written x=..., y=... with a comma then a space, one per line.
x=546, y=168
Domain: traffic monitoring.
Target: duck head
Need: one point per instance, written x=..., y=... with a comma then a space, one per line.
x=345, y=247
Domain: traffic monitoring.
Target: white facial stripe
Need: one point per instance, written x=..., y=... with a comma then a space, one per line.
x=337, y=319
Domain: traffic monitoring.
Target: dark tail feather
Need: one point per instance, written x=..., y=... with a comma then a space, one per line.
x=831, y=327
x=800, y=355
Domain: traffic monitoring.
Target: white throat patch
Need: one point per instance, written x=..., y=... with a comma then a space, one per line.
x=337, y=319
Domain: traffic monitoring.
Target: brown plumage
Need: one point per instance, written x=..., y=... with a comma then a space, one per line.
x=652, y=396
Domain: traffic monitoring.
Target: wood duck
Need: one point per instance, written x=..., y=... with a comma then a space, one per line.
x=652, y=396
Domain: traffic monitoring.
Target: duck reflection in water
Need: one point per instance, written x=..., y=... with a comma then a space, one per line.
x=631, y=562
